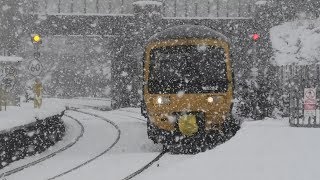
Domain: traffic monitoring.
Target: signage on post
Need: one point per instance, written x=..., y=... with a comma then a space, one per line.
x=35, y=68
x=310, y=102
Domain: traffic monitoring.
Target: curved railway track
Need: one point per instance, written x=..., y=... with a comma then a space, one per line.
x=20, y=168
x=130, y=176
x=99, y=155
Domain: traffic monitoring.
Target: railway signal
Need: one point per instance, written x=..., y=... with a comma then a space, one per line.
x=255, y=37
x=36, y=39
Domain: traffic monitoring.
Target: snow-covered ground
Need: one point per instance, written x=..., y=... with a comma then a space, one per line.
x=15, y=117
x=264, y=150
x=296, y=42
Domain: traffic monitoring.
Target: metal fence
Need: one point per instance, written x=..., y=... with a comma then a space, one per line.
x=292, y=81
x=171, y=8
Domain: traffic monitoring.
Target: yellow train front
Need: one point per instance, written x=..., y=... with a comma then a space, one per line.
x=188, y=88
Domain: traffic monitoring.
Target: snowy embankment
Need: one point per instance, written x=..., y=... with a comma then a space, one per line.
x=296, y=42
x=15, y=117
x=25, y=131
x=264, y=150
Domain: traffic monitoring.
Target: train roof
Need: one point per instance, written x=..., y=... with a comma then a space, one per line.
x=187, y=31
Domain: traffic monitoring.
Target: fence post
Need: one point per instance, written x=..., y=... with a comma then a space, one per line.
x=97, y=6
x=218, y=7
x=109, y=6
x=59, y=6
x=209, y=8
x=196, y=9
x=1, y=97
x=122, y=10
x=239, y=8
x=227, y=7
x=71, y=7
x=175, y=9
x=186, y=8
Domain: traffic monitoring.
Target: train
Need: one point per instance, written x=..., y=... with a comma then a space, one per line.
x=188, y=86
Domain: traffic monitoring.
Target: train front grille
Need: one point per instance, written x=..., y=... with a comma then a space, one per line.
x=189, y=123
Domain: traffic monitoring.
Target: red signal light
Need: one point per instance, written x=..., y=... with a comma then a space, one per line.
x=255, y=37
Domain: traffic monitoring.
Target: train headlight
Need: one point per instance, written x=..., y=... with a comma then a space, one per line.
x=210, y=99
x=163, y=100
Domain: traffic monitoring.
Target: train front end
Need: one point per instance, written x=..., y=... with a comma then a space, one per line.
x=188, y=87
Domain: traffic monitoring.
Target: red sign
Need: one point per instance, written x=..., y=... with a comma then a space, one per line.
x=310, y=106
x=310, y=101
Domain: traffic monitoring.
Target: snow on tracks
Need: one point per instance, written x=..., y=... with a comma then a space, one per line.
x=102, y=153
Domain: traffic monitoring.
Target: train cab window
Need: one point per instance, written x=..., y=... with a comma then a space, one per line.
x=192, y=69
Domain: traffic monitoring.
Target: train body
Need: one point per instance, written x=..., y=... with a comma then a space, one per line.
x=188, y=87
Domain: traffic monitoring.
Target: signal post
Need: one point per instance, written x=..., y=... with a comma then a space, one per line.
x=35, y=69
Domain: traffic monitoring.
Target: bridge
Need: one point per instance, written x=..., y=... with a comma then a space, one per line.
x=128, y=32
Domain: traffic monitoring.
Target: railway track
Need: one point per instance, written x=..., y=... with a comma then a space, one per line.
x=139, y=171
x=130, y=176
x=140, y=119
x=20, y=168
x=99, y=155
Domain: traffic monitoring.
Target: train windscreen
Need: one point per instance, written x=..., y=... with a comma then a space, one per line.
x=187, y=69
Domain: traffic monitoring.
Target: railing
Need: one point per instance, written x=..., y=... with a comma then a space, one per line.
x=171, y=8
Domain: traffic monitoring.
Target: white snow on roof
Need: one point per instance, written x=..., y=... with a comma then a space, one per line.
x=261, y=3
x=296, y=42
x=10, y=59
x=212, y=17
x=144, y=3
x=81, y=14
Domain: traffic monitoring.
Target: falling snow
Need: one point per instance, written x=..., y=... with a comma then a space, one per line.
x=117, y=60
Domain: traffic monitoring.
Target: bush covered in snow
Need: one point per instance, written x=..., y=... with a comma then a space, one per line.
x=30, y=139
x=296, y=42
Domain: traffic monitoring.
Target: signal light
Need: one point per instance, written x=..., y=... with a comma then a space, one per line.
x=255, y=37
x=36, y=38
